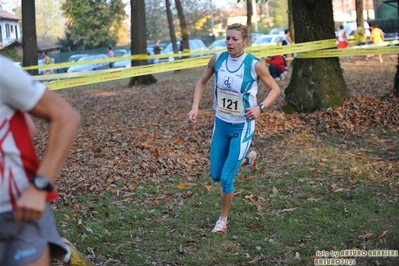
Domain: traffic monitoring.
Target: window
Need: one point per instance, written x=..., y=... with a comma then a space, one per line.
x=12, y=29
x=7, y=31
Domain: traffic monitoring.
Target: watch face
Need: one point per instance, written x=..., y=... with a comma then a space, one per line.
x=41, y=182
x=263, y=108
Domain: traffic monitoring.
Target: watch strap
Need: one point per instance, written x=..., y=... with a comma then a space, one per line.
x=41, y=182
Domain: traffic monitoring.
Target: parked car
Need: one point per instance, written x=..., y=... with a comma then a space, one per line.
x=120, y=52
x=76, y=57
x=218, y=44
x=196, y=45
x=18, y=64
x=255, y=36
x=277, y=31
x=267, y=40
x=390, y=37
x=128, y=62
x=91, y=66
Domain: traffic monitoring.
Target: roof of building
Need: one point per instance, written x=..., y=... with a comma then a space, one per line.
x=6, y=15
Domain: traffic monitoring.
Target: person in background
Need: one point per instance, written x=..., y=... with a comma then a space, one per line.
x=236, y=85
x=342, y=39
x=377, y=37
x=110, y=55
x=276, y=66
x=157, y=50
x=28, y=234
x=47, y=61
x=360, y=35
x=286, y=40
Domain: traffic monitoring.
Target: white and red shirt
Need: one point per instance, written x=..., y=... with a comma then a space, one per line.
x=19, y=93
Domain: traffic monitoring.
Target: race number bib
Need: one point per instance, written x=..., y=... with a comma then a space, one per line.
x=230, y=103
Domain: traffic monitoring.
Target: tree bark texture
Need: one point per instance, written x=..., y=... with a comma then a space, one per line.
x=249, y=19
x=29, y=39
x=396, y=82
x=316, y=83
x=171, y=27
x=139, y=40
x=291, y=21
x=183, y=25
x=359, y=13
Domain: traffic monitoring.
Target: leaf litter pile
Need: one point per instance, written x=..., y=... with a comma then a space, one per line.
x=139, y=136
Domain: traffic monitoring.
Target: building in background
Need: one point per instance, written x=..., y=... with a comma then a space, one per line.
x=10, y=30
x=345, y=10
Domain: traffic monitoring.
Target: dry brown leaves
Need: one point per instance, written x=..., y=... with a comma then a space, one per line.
x=133, y=137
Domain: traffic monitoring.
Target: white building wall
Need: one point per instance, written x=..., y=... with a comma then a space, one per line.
x=10, y=32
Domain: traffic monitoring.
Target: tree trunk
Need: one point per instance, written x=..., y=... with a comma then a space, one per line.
x=29, y=39
x=183, y=26
x=359, y=13
x=291, y=21
x=316, y=83
x=396, y=82
x=139, y=40
x=171, y=27
x=249, y=19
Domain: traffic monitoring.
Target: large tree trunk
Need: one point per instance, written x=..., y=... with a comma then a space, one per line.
x=183, y=25
x=139, y=40
x=29, y=39
x=396, y=83
x=171, y=27
x=316, y=83
x=359, y=13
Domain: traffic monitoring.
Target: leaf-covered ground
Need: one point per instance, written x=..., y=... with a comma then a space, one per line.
x=132, y=137
x=140, y=135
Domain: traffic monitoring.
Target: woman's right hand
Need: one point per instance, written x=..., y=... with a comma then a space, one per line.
x=192, y=116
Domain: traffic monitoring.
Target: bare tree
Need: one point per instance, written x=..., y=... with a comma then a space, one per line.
x=249, y=18
x=171, y=27
x=183, y=25
x=29, y=39
x=359, y=13
x=291, y=21
x=139, y=40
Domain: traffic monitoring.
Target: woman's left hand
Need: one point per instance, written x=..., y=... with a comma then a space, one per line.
x=252, y=112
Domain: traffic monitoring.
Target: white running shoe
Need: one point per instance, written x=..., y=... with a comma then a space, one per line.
x=252, y=154
x=220, y=227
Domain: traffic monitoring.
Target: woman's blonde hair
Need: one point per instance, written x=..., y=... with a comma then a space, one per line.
x=241, y=28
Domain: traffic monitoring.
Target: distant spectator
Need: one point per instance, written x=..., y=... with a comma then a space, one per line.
x=110, y=54
x=377, y=37
x=47, y=60
x=157, y=50
x=286, y=40
x=360, y=35
x=342, y=38
x=276, y=66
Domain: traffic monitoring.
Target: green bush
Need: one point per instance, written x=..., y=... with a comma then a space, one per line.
x=12, y=54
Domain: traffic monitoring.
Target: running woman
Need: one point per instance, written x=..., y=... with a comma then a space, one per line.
x=236, y=85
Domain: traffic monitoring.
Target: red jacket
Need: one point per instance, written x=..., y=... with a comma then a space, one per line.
x=277, y=60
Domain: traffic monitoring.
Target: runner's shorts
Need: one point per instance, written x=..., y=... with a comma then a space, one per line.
x=24, y=243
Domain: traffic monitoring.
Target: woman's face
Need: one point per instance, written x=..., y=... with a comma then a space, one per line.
x=235, y=43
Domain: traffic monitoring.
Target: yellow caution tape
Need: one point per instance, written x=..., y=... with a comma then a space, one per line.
x=315, y=49
x=353, y=51
x=271, y=50
x=115, y=74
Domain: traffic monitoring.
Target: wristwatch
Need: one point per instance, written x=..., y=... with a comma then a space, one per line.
x=262, y=108
x=41, y=183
